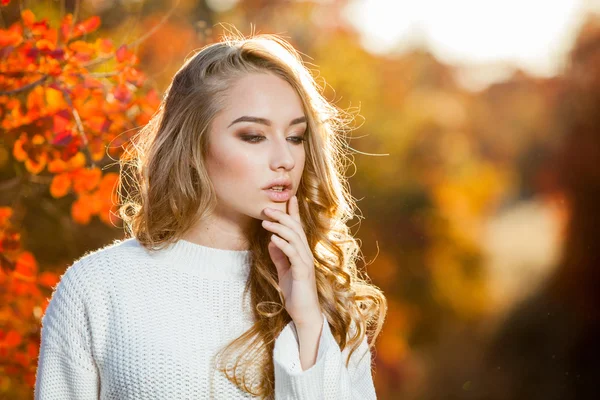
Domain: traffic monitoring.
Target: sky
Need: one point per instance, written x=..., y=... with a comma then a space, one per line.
x=486, y=39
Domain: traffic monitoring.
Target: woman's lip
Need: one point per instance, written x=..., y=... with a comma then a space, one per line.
x=282, y=196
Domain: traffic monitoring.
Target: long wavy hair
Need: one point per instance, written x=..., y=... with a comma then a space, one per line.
x=164, y=189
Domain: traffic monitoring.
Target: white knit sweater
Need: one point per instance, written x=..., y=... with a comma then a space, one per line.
x=124, y=323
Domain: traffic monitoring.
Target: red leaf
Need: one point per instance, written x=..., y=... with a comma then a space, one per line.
x=60, y=121
x=32, y=54
x=98, y=123
x=58, y=54
x=62, y=139
x=40, y=27
x=122, y=93
x=122, y=53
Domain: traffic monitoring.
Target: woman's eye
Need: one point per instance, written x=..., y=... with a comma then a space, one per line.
x=252, y=138
x=297, y=139
x=259, y=138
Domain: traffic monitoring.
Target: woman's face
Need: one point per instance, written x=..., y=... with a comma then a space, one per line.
x=253, y=141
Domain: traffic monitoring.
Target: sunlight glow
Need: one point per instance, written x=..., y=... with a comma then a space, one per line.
x=533, y=35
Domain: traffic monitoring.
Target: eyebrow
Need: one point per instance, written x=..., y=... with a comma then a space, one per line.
x=265, y=121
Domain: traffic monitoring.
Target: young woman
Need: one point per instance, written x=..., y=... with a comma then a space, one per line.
x=239, y=278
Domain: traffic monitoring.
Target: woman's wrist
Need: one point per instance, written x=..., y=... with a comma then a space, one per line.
x=309, y=335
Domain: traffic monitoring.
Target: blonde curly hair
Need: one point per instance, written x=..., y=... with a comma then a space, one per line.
x=164, y=190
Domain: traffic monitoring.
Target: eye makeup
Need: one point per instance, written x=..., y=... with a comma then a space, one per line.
x=258, y=138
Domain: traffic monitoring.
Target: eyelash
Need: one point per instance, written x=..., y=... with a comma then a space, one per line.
x=250, y=139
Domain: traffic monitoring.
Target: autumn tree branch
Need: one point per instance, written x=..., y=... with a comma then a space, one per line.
x=139, y=40
x=26, y=87
x=80, y=129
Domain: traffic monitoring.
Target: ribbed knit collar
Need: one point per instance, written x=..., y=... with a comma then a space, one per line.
x=205, y=261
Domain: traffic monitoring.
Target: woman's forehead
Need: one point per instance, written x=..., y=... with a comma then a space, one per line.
x=264, y=96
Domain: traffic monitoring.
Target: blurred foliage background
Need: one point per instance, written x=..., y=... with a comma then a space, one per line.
x=480, y=223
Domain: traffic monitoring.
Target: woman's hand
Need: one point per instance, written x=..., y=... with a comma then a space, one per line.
x=294, y=261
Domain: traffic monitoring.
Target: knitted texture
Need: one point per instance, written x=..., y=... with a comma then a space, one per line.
x=124, y=323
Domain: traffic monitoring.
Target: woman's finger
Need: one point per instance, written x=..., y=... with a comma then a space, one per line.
x=287, y=220
x=289, y=235
x=294, y=209
x=295, y=259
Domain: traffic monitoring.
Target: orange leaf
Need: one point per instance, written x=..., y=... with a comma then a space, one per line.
x=19, y=151
x=12, y=339
x=11, y=37
x=55, y=101
x=31, y=152
x=98, y=123
x=152, y=98
x=65, y=27
x=36, y=166
x=26, y=265
x=45, y=44
x=28, y=18
x=94, y=202
x=58, y=165
x=81, y=212
x=109, y=216
x=85, y=180
x=36, y=100
x=82, y=47
x=92, y=83
x=105, y=46
x=5, y=214
x=87, y=26
x=32, y=351
x=48, y=279
x=60, y=185
x=133, y=76
x=38, y=139
x=52, y=36
x=107, y=185
x=97, y=148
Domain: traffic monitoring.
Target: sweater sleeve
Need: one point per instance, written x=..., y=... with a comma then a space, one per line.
x=66, y=368
x=328, y=378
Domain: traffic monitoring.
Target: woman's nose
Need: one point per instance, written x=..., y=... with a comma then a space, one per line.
x=282, y=156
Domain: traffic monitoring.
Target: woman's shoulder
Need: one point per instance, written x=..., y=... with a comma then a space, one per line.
x=89, y=277
x=107, y=259
x=118, y=250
